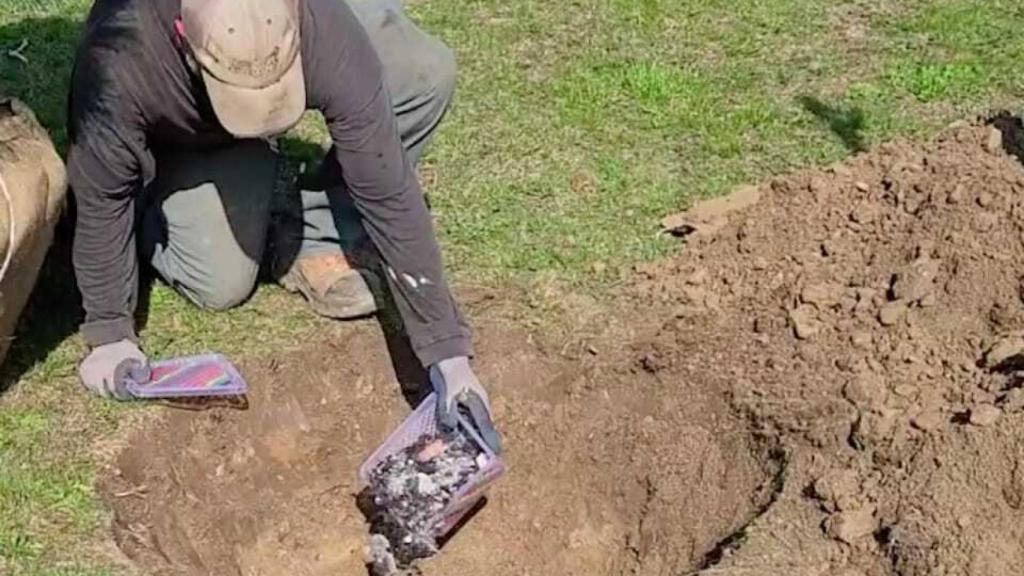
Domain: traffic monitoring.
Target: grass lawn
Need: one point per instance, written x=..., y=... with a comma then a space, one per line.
x=577, y=125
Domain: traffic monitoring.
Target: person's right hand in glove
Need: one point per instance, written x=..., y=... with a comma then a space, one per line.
x=105, y=369
x=456, y=385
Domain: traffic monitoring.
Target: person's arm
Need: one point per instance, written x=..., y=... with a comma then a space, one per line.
x=345, y=81
x=104, y=175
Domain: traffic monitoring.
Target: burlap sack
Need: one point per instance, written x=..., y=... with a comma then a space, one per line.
x=35, y=181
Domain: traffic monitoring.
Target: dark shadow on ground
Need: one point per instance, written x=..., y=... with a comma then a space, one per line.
x=52, y=314
x=412, y=377
x=304, y=160
x=846, y=122
x=1012, y=129
x=53, y=311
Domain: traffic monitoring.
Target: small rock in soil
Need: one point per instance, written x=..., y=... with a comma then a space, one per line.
x=822, y=295
x=1007, y=348
x=865, y=299
x=916, y=281
x=891, y=313
x=1014, y=400
x=867, y=390
x=1006, y=316
x=957, y=195
x=928, y=420
x=873, y=428
x=985, y=415
x=861, y=340
x=852, y=526
x=805, y=324
x=994, y=144
x=837, y=487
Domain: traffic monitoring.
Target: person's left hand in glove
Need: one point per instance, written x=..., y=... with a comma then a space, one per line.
x=456, y=385
x=105, y=369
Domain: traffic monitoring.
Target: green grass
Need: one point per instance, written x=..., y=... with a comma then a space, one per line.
x=44, y=502
x=660, y=102
x=577, y=125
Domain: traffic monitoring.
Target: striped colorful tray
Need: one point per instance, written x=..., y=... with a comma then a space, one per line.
x=205, y=375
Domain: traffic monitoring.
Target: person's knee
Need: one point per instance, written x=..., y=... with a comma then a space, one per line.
x=432, y=78
x=419, y=66
x=227, y=287
x=442, y=75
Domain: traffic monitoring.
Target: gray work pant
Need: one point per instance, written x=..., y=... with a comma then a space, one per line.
x=206, y=223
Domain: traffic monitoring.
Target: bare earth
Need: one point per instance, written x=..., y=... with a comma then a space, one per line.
x=823, y=382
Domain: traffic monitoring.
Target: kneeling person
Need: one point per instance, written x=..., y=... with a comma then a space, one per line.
x=173, y=109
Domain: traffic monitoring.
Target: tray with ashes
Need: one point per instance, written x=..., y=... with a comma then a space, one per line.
x=419, y=484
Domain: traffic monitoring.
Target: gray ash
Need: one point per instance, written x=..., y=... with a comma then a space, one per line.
x=407, y=492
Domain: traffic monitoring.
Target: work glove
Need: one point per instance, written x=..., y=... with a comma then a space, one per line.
x=105, y=370
x=457, y=387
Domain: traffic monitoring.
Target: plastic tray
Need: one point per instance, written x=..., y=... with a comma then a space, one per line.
x=423, y=422
x=193, y=376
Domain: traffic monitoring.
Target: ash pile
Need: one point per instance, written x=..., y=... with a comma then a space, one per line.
x=407, y=493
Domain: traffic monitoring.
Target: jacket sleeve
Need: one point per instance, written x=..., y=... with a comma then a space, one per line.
x=104, y=175
x=346, y=83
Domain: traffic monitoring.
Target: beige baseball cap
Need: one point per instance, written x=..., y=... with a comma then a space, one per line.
x=250, y=57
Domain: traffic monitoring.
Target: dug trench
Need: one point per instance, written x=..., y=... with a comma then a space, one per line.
x=825, y=380
x=596, y=470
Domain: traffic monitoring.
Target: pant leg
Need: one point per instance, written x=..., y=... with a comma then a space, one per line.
x=418, y=68
x=205, y=226
x=420, y=74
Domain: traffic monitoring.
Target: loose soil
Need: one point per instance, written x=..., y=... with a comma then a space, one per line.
x=823, y=382
x=593, y=468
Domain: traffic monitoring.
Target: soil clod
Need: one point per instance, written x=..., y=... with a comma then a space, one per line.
x=852, y=526
x=985, y=415
x=892, y=313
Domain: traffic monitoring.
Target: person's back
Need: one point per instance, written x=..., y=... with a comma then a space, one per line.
x=130, y=78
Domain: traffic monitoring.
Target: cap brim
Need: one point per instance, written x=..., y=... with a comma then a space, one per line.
x=255, y=113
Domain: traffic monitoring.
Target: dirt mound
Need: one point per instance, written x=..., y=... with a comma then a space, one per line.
x=825, y=382
x=607, y=475
x=869, y=316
